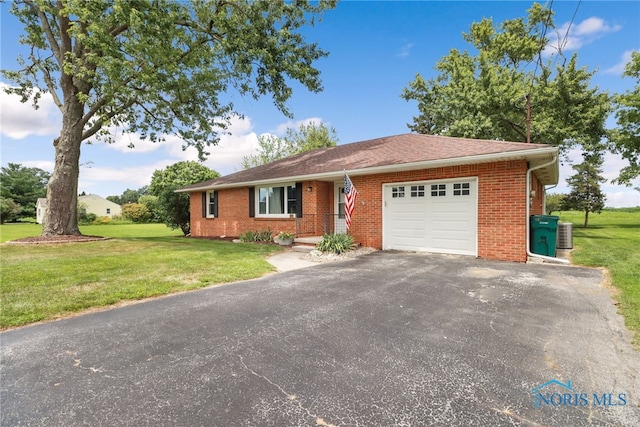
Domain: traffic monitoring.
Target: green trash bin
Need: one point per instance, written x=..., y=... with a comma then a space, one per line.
x=544, y=229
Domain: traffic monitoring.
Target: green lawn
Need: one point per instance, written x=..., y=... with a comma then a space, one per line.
x=612, y=241
x=47, y=281
x=41, y=282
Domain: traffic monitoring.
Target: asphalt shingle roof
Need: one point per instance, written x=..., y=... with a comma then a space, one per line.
x=386, y=151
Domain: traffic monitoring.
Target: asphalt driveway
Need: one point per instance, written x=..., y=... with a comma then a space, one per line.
x=387, y=339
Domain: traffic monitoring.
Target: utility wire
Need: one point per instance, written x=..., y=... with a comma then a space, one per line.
x=566, y=35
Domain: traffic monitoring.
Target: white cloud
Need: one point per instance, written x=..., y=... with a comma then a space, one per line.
x=573, y=36
x=281, y=129
x=19, y=120
x=226, y=156
x=618, y=69
x=45, y=165
x=405, y=50
x=627, y=198
x=127, y=142
x=92, y=178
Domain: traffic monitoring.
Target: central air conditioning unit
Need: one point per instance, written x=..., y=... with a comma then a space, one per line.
x=565, y=235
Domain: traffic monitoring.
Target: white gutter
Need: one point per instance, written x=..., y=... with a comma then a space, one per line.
x=554, y=158
x=425, y=164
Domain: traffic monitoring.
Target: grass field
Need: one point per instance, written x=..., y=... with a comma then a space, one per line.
x=47, y=281
x=41, y=282
x=612, y=241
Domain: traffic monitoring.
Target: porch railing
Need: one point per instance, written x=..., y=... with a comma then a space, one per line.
x=306, y=226
x=334, y=223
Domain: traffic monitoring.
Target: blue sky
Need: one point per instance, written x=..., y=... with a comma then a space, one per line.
x=376, y=49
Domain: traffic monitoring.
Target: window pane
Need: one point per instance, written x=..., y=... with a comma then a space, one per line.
x=291, y=199
x=211, y=204
x=262, y=204
x=397, y=192
x=276, y=200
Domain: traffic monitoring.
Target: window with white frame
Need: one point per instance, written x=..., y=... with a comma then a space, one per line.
x=211, y=204
x=276, y=201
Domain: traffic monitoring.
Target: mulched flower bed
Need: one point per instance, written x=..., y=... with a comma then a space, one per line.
x=56, y=239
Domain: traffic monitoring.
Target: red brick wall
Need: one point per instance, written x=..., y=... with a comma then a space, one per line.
x=501, y=207
x=536, y=200
x=233, y=216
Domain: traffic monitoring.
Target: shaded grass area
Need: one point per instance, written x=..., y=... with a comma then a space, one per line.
x=612, y=241
x=47, y=281
x=15, y=231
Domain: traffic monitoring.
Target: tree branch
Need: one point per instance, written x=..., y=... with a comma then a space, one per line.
x=114, y=32
x=55, y=48
x=99, y=123
x=51, y=86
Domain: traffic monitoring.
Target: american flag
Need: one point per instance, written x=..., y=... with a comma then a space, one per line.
x=350, y=194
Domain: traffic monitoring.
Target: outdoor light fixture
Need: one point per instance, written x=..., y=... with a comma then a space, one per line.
x=309, y=188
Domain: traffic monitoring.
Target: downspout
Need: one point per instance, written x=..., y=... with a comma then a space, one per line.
x=544, y=199
x=528, y=210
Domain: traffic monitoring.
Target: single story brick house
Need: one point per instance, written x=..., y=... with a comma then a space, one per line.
x=415, y=192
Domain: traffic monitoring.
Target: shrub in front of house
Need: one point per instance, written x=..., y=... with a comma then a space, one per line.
x=85, y=218
x=259, y=236
x=136, y=213
x=336, y=243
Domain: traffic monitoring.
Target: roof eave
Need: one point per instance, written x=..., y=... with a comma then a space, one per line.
x=538, y=154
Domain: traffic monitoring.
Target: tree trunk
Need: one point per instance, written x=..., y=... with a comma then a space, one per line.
x=61, y=217
x=586, y=218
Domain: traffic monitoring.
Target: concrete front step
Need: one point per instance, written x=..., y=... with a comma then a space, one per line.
x=313, y=240
x=303, y=248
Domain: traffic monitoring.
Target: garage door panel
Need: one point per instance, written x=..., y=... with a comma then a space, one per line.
x=440, y=221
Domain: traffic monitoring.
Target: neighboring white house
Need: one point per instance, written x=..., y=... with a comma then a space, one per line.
x=92, y=203
x=99, y=206
x=41, y=206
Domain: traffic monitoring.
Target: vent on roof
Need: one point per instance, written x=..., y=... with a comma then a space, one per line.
x=565, y=235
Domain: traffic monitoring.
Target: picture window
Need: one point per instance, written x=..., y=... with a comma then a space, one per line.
x=277, y=201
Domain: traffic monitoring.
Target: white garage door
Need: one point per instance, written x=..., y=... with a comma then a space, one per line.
x=431, y=216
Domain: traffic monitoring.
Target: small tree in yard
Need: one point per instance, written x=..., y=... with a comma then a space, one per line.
x=586, y=194
x=174, y=207
x=554, y=202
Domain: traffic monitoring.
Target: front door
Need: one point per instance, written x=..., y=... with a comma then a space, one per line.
x=340, y=224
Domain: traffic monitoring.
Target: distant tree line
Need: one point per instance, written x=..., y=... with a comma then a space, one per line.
x=20, y=188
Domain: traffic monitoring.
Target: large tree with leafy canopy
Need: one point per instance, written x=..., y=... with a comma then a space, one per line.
x=174, y=207
x=305, y=137
x=626, y=136
x=155, y=68
x=483, y=94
